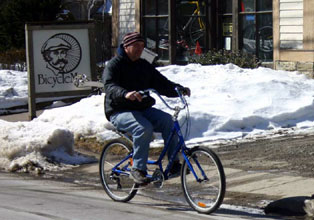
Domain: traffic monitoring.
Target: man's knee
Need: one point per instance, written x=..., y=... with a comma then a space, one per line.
x=146, y=130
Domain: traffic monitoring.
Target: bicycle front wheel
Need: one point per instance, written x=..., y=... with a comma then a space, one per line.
x=114, y=171
x=203, y=180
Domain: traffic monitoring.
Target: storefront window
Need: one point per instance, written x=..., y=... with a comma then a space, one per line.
x=247, y=6
x=248, y=34
x=190, y=27
x=264, y=5
x=265, y=37
x=255, y=28
x=225, y=24
x=155, y=26
x=150, y=7
x=255, y=5
x=227, y=32
x=163, y=38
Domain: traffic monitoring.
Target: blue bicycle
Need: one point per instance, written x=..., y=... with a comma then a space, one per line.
x=202, y=174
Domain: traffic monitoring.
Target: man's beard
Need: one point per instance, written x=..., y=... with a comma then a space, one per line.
x=60, y=64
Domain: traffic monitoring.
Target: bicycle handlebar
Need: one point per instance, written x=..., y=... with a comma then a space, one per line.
x=176, y=108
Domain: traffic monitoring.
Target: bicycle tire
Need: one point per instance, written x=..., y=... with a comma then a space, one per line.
x=119, y=187
x=204, y=196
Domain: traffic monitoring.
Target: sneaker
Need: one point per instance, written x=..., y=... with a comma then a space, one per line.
x=139, y=176
x=175, y=169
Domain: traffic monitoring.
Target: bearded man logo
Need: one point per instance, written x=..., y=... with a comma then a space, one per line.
x=62, y=52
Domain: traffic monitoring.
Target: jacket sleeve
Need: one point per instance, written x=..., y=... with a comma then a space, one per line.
x=110, y=79
x=163, y=85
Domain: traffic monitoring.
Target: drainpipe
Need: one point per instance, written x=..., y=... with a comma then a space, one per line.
x=91, y=4
x=103, y=10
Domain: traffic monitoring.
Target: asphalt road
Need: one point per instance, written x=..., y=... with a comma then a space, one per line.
x=26, y=197
x=23, y=197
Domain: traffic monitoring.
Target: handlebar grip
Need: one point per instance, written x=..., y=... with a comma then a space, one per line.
x=144, y=94
x=180, y=93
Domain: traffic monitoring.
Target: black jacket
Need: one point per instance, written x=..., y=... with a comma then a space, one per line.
x=122, y=75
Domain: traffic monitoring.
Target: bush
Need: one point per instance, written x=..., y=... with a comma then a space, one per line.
x=14, y=15
x=238, y=58
x=13, y=59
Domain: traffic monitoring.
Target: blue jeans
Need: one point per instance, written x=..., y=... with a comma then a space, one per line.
x=142, y=124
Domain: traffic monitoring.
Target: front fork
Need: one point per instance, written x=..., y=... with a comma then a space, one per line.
x=187, y=158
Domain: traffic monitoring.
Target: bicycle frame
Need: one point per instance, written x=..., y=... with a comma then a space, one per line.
x=180, y=146
x=176, y=130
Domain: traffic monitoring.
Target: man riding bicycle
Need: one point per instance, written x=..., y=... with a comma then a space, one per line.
x=128, y=110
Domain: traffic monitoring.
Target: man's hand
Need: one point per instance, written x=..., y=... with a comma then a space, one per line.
x=185, y=91
x=134, y=95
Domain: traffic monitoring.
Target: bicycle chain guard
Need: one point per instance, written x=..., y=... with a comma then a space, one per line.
x=158, y=178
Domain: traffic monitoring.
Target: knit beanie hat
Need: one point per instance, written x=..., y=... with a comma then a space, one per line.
x=131, y=38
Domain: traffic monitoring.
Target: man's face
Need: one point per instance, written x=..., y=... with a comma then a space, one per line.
x=58, y=58
x=134, y=51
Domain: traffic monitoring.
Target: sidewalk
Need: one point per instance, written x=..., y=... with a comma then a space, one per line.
x=270, y=184
x=286, y=192
x=18, y=117
x=282, y=194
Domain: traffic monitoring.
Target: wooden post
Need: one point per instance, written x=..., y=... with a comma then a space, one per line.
x=235, y=25
x=30, y=71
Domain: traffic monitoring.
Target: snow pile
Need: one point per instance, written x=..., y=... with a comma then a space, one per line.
x=227, y=103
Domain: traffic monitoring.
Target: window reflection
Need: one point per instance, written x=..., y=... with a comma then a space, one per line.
x=227, y=32
x=247, y=5
x=265, y=37
x=150, y=33
x=163, y=38
x=155, y=26
x=155, y=7
x=191, y=18
x=150, y=7
x=261, y=43
x=248, y=34
x=190, y=27
x=264, y=5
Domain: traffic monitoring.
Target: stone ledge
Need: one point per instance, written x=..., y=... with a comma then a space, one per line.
x=306, y=68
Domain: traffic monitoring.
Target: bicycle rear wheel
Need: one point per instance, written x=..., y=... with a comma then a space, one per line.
x=206, y=192
x=115, y=180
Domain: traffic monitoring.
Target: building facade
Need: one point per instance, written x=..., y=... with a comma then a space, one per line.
x=100, y=12
x=294, y=35
x=279, y=32
x=173, y=29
